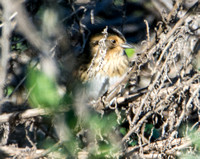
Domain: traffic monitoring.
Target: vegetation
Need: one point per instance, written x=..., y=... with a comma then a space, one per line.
x=152, y=113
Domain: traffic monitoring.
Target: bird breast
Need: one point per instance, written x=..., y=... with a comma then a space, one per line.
x=112, y=69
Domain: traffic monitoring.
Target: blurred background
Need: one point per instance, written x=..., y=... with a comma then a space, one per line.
x=40, y=41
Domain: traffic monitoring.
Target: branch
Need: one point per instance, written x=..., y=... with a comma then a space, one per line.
x=23, y=115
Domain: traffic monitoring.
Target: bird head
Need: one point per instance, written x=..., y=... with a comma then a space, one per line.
x=104, y=55
x=115, y=43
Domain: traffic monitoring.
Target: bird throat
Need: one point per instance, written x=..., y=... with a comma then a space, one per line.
x=115, y=65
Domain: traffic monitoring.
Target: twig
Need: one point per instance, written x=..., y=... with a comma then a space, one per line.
x=5, y=46
x=23, y=115
x=10, y=18
x=33, y=36
x=152, y=85
x=175, y=8
x=176, y=144
x=112, y=93
x=14, y=151
x=46, y=152
x=29, y=152
x=148, y=34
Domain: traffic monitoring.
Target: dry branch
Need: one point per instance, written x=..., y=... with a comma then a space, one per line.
x=23, y=115
x=168, y=105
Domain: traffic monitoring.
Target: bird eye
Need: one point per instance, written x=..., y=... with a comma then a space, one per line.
x=113, y=41
x=94, y=43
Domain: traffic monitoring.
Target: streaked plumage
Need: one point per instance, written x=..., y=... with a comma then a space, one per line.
x=105, y=63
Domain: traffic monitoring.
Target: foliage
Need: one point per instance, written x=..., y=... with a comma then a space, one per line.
x=153, y=112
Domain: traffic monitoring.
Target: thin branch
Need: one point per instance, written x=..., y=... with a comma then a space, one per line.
x=5, y=45
x=23, y=115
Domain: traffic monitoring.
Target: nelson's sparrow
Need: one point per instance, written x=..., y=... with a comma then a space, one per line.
x=103, y=62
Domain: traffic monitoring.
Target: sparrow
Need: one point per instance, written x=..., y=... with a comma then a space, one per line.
x=103, y=62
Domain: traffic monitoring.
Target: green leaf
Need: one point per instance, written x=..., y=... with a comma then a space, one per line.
x=9, y=90
x=130, y=52
x=98, y=123
x=195, y=137
x=43, y=91
x=21, y=46
x=133, y=143
x=123, y=131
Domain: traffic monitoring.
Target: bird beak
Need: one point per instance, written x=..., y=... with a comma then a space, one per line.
x=127, y=46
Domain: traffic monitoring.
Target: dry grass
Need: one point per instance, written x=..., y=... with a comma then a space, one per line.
x=159, y=115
